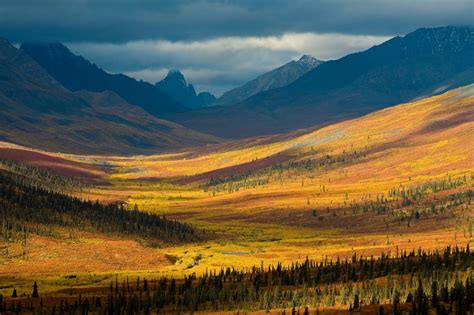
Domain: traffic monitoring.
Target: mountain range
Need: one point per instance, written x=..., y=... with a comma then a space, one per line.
x=276, y=78
x=76, y=73
x=425, y=62
x=40, y=112
x=51, y=96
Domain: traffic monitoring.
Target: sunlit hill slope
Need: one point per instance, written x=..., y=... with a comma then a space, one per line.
x=419, y=140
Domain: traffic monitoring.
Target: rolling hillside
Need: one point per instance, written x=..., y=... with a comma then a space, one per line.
x=425, y=62
x=408, y=144
x=38, y=112
x=395, y=180
x=414, y=132
x=398, y=178
x=344, y=179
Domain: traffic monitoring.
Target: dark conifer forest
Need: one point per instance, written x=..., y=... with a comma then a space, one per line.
x=26, y=207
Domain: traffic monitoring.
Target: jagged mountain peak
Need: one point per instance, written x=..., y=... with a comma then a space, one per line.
x=273, y=79
x=175, y=76
x=176, y=86
x=309, y=60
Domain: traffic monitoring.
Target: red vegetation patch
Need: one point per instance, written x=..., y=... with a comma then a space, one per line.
x=452, y=122
x=57, y=165
x=237, y=169
x=85, y=252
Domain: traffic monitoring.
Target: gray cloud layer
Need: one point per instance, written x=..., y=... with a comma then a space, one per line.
x=219, y=43
x=128, y=20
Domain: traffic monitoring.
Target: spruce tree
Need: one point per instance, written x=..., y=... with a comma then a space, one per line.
x=356, y=301
x=35, y=293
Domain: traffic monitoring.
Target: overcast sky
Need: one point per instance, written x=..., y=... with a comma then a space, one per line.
x=219, y=44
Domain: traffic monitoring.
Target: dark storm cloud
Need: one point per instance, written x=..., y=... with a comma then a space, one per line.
x=219, y=44
x=123, y=21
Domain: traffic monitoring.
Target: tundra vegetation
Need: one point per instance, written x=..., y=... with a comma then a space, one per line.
x=372, y=215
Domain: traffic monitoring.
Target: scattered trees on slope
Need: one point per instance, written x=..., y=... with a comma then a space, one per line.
x=27, y=208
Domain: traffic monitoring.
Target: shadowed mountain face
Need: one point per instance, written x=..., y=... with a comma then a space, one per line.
x=39, y=112
x=24, y=83
x=175, y=85
x=76, y=73
x=276, y=78
x=423, y=63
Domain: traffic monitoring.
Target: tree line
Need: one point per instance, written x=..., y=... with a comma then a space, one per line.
x=43, y=178
x=28, y=208
x=417, y=282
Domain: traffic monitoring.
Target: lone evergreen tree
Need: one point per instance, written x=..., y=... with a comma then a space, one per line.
x=35, y=290
x=434, y=294
x=396, y=303
x=356, y=301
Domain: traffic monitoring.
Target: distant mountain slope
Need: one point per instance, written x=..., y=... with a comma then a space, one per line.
x=206, y=99
x=425, y=62
x=24, y=83
x=76, y=73
x=35, y=110
x=276, y=78
x=175, y=85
